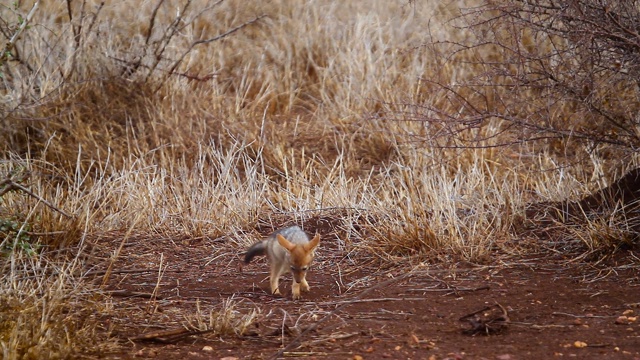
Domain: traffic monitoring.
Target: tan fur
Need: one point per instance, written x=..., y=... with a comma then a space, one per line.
x=288, y=250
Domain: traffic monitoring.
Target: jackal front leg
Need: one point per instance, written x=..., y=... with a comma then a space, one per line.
x=295, y=290
x=304, y=285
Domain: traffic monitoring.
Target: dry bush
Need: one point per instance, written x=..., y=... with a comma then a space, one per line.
x=228, y=320
x=47, y=310
x=540, y=77
x=557, y=75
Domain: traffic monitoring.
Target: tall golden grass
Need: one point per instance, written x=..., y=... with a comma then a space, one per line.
x=295, y=111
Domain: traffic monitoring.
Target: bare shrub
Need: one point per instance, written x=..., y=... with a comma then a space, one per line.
x=554, y=78
x=544, y=71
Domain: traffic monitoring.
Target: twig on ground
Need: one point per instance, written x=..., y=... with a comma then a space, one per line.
x=475, y=312
x=126, y=293
x=542, y=327
x=304, y=353
x=124, y=271
x=357, y=301
x=580, y=316
x=452, y=289
x=491, y=322
x=169, y=336
x=333, y=338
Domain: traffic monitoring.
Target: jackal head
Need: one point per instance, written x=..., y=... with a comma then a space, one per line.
x=301, y=255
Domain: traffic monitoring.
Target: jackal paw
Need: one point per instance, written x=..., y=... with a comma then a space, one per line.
x=276, y=292
x=304, y=285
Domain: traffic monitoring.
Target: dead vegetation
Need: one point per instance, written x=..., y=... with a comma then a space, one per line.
x=487, y=321
x=222, y=120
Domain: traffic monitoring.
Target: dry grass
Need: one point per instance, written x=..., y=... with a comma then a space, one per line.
x=296, y=111
x=226, y=321
x=47, y=309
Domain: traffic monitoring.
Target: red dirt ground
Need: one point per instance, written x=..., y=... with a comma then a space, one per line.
x=555, y=309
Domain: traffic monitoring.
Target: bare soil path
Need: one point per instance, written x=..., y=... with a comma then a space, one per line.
x=551, y=309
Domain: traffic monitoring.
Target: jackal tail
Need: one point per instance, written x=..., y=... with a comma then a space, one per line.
x=258, y=249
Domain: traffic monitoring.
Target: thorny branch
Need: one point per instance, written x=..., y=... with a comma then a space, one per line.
x=557, y=71
x=206, y=41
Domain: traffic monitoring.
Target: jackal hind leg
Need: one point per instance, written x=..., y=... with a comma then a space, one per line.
x=274, y=280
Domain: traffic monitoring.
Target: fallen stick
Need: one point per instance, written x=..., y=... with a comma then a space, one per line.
x=124, y=271
x=162, y=336
x=356, y=301
x=582, y=316
x=304, y=354
x=332, y=338
x=169, y=336
x=453, y=289
x=488, y=323
x=125, y=293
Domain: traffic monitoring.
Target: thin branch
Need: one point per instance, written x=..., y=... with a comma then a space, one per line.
x=152, y=21
x=10, y=45
x=11, y=185
x=169, y=33
x=207, y=41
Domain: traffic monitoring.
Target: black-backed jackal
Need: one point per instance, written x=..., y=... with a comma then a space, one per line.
x=288, y=249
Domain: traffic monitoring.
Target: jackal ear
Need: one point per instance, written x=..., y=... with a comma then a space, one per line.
x=285, y=243
x=313, y=243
